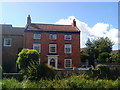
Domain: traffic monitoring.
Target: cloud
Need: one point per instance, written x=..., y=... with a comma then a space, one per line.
x=98, y=30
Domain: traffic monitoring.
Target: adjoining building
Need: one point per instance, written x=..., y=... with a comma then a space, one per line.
x=12, y=43
x=58, y=45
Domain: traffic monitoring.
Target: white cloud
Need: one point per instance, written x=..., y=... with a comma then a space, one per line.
x=98, y=30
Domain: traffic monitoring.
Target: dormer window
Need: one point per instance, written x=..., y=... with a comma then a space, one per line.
x=53, y=37
x=67, y=37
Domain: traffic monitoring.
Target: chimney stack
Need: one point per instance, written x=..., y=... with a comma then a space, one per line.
x=74, y=23
x=28, y=19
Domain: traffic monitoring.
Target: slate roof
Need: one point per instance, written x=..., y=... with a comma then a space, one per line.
x=8, y=29
x=51, y=27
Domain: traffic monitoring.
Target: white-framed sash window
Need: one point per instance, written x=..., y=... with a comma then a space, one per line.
x=37, y=36
x=37, y=46
x=53, y=36
x=68, y=48
x=68, y=37
x=7, y=42
x=68, y=63
x=52, y=48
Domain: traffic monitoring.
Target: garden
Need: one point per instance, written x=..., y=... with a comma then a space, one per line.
x=35, y=75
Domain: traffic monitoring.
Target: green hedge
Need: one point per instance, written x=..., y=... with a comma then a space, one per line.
x=17, y=76
x=81, y=81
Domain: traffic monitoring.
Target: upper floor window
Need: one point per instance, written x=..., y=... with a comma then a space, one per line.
x=68, y=48
x=52, y=48
x=7, y=41
x=37, y=36
x=37, y=47
x=53, y=37
x=68, y=63
x=67, y=37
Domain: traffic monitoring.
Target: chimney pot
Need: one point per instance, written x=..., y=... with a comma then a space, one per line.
x=28, y=19
x=74, y=23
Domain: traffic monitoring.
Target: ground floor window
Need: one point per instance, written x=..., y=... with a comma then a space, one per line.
x=68, y=63
x=36, y=46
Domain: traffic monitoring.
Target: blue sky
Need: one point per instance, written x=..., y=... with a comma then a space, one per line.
x=90, y=13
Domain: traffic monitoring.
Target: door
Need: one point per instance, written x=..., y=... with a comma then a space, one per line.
x=52, y=62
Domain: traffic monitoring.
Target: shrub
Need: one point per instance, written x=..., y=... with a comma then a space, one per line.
x=104, y=70
x=36, y=72
x=81, y=81
x=25, y=57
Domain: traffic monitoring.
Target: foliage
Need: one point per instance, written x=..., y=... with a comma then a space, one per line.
x=36, y=72
x=104, y=70
x=115, y=57
x=81, y=81
x=96, y=47
x=84, y=56
x=104, y=57
x=25, y=57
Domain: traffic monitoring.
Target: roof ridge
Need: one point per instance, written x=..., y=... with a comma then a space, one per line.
x=51, y=24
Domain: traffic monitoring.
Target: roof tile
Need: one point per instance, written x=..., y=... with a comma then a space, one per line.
x=52, y=27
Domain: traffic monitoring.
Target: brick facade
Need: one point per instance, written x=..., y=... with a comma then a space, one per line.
x=60, y=42
x=9, y=53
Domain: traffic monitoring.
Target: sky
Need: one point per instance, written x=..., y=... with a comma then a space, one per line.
x=95, y=19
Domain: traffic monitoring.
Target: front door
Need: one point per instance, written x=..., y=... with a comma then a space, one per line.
x=52, y=62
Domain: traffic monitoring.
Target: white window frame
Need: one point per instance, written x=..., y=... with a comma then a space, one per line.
x=67, y=38
x=53, y=36
x=66, y=45
x=50, y=45
x=65, y=63
x=37, y=36
x=5, y=42
x=39, y=45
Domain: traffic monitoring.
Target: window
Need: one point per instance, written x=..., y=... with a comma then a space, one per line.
x=68, y=48
x=53, y=37
x=7, y=42
x=67, y=37
x=52, y=48
x=37, y=36
x=68, y=63
x=36, y=46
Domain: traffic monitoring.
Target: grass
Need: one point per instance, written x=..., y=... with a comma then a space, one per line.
x=81, y=81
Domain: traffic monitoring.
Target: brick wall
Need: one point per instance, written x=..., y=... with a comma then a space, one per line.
x=9, y=53
x=75, y=55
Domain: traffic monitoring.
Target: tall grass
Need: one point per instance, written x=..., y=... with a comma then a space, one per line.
x=81, y=81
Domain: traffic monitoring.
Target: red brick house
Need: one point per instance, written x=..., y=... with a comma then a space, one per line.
x=58, y=45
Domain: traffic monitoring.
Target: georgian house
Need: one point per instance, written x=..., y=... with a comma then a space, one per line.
x=58, y=45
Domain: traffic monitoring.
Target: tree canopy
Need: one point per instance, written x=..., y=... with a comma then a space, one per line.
x=98, y=49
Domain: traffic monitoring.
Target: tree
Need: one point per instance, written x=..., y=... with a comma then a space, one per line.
x=115, y=57
x=95, y=49
x=104, y=57
x=26, y=57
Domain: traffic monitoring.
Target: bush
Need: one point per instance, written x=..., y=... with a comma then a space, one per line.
x=81, y=81
x=25, y=57
x=104, y=70
x=17, y=76
x=36, y=72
